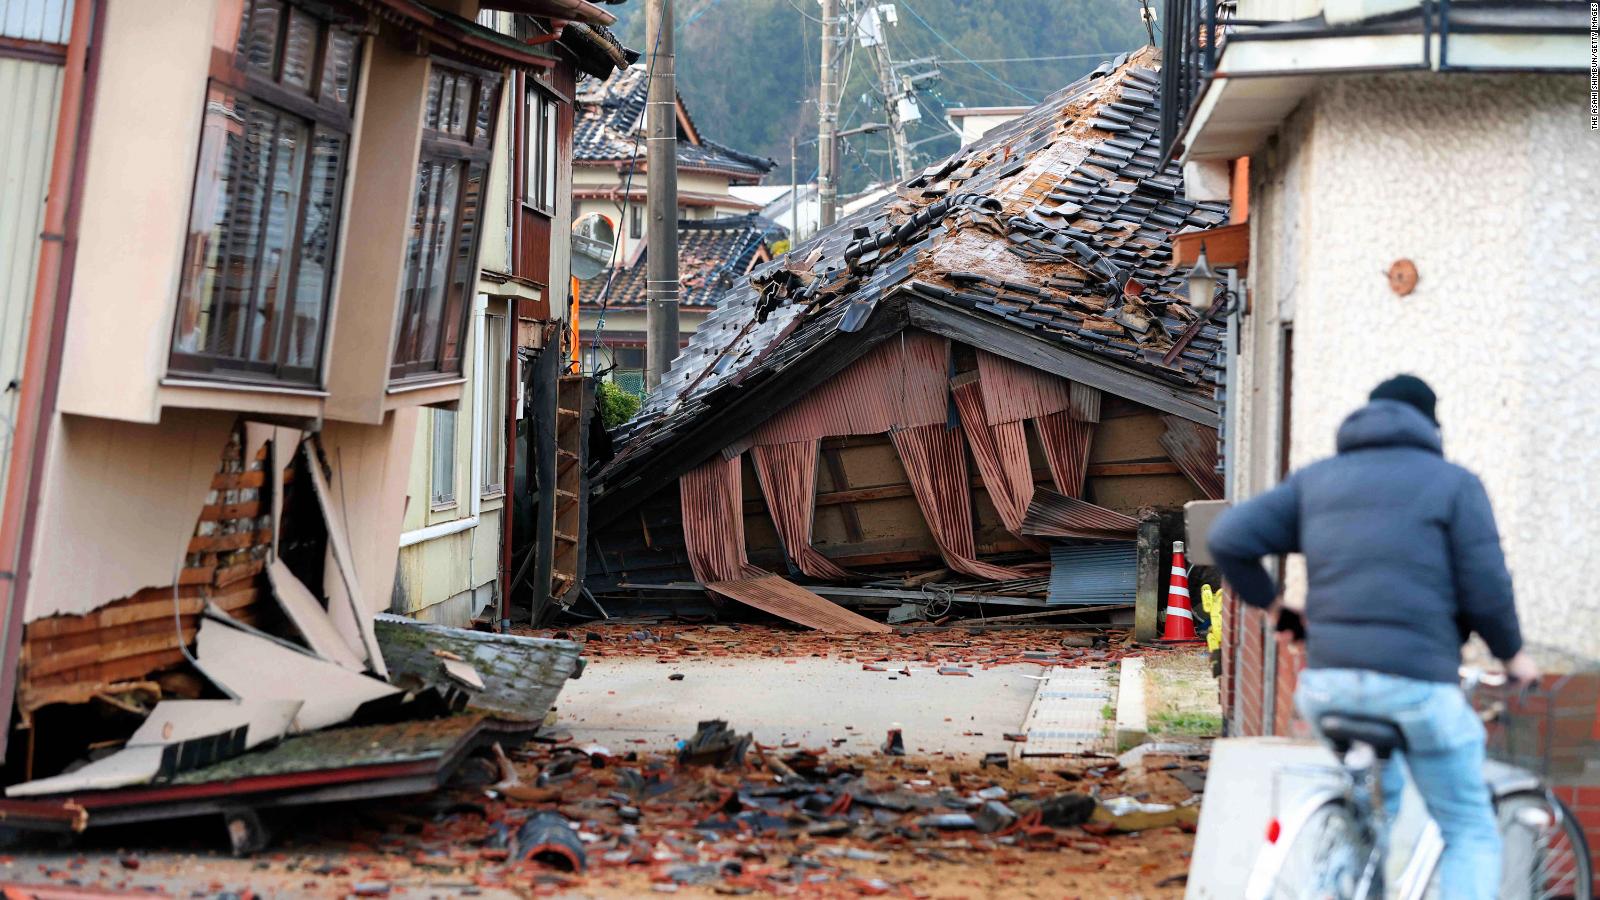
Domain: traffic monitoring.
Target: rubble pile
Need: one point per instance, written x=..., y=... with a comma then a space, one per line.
x=960, y=647
x=727, y=816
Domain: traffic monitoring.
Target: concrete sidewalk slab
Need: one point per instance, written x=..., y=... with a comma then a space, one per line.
x=620, y=702
x=1068, y=715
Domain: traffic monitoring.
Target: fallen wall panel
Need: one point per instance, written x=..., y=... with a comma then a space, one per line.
x=788, y=600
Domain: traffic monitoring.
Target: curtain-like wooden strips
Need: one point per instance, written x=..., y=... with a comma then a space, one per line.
x=936, y=464
x=1013, y=392
x=1066, y=450
x=713, y=521
x=788, y=477
x=902, y=382
x=1001, y=452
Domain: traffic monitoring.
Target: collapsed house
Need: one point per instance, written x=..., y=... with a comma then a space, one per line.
x=988, y=387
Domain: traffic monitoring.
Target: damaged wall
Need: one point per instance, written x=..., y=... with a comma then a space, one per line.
x=118, y=506
x=867, y=515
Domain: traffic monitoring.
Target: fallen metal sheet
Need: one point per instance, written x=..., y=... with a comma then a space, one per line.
x=788, y=600
x=310, y=619
x=1094, y=573
x=521, y=675
x=254, y=668
x=1194, y=448
x=182, y=720
x=359, y=621
x=339, y=764
x=1056, y=515
x=135, y=765
x=179, y=735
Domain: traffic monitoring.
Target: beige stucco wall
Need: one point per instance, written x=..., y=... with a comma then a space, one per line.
x=144, y=134
x=1488, y=183
x=120, y=501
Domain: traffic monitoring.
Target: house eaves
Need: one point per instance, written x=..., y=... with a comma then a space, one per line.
x=1265, y=71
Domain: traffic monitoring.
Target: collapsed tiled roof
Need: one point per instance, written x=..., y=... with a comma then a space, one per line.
x=1052, y=234
x=714, y=255
x=611, y=113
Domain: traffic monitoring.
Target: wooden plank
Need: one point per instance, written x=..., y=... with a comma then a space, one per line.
x=201, y=575
x=757, y=402
x=1019, y=346
x=835, y=463
x=235, y=574
x=99, y=652
x=222, y=543
x=1112, y=470
x=1147, y=595
x=1226, y=245
x=219, y=512
x=232, y=481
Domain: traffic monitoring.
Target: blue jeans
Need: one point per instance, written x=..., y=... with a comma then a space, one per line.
x=1444, y=753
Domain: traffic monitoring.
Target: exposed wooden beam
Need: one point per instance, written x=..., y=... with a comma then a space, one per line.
x=1226, y=245
x=753, y=403
x=1020, y=346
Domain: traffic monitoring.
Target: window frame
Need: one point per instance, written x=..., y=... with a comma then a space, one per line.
x=492, y=430
x=436, y=499
x=469, y=156
x=541, y=148
x=315, y=114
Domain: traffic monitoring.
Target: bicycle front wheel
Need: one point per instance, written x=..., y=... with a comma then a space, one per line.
x=1545, y=854
x=1323, y=856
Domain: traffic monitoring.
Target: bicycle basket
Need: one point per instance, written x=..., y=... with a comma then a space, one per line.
x=1549, y=728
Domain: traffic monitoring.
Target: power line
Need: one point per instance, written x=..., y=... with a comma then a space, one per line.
x=946, y=41
x=803, y=12
x=1012, y=59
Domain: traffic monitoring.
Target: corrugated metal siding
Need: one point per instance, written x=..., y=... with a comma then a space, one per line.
x=790, y=601
x=29, y=95
x=49, y=21
x=901, y=383
x=1194, y=448
x=1093, y=573
x=1054, y=515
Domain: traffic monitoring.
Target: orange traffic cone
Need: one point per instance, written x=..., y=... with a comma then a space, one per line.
x=1180, y=615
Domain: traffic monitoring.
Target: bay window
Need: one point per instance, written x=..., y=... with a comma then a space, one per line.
x=264, y=215
x=441, y=251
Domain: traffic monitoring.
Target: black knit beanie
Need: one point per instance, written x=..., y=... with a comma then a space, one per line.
x=1408, y=389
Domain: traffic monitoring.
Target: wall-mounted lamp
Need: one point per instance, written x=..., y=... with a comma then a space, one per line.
x=1203, y=281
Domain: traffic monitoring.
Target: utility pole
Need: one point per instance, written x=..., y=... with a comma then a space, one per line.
x=828, y=113
x=661, y=269
x=794, y=191
x=884, y=63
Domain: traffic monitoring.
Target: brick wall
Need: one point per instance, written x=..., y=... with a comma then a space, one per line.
x=1244, y=657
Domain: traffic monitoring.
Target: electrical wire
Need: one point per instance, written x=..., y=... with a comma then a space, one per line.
x=1011, y=59
x=804, y=13
x=627, y=194
x=946, y=41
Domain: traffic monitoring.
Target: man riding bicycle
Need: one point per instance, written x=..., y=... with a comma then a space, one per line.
x=1403, y=562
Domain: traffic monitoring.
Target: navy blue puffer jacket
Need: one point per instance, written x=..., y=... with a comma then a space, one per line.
x=1403, y=559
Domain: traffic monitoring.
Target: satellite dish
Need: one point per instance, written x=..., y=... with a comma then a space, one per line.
x=594, y=242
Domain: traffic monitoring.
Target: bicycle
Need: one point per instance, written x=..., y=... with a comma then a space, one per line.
x=1335, y=843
